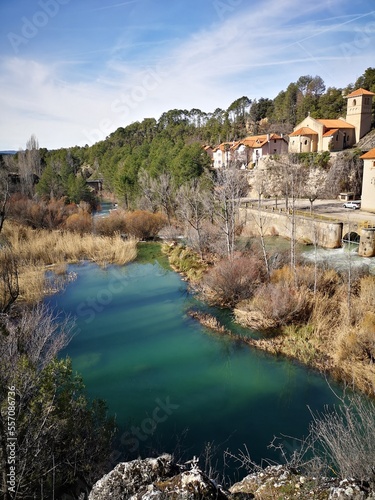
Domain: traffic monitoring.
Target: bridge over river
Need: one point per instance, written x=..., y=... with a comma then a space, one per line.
x=328, y=230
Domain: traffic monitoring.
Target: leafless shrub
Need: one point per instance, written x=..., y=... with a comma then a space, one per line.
x=36, y=334
x=366, y=337
x=144, y=225
x=114, y=223
x=80, y=223
x=171, y=233
x=339, y=444
x=233, y=280
x=282, y=303
x=9, y=286
x=40, y=214
x=367, y=292
x=346, y=437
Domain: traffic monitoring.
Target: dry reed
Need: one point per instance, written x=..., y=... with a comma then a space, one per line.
x=35, y=250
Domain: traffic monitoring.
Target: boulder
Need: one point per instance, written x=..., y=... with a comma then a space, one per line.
x=156, y=478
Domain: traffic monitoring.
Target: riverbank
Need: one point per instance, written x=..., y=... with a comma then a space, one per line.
x=313, y=315
x=35, y=252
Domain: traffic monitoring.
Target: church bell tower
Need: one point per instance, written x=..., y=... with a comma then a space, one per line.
x=359, y=111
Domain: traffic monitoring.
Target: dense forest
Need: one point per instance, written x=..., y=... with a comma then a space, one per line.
x=173, y=143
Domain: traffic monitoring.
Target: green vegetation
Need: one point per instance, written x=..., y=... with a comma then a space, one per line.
x=173, y=144
x=185, y=261
x=152, y=251
x=158, y=172
x=63, y=440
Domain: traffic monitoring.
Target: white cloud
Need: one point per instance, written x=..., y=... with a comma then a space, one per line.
x=256, y=52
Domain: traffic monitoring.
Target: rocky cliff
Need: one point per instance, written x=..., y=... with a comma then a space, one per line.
x=162, y=478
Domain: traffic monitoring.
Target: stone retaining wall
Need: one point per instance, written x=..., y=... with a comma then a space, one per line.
x=326, y=234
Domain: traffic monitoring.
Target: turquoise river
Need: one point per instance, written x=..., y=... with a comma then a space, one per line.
x=173, y=385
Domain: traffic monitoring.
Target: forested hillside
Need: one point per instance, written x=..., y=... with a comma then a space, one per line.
x=173, y=143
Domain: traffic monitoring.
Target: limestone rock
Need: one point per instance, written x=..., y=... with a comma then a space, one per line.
x=129, y=478
x=156, y=478
x=162, y=479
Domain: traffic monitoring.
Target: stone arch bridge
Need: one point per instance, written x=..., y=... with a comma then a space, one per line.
x=325, y=232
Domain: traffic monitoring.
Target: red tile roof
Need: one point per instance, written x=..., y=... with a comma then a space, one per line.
x=253, y=141
x=330, y=132
x=336, y=123
x=359, y=92
x=303, y=131
x=224, y=146
x=257, y=141
x=370, y=155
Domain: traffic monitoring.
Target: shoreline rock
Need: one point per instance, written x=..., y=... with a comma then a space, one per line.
x=162, y=478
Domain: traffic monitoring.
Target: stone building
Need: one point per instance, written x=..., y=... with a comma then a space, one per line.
x=368, y=184
x=317, y=135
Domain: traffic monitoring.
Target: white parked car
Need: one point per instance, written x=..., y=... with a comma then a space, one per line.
x=352, y=204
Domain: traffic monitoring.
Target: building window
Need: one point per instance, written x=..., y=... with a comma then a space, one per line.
x=337, y=137
x=373, y=164
x=367, y=100
x=354, y=102
x=305, y=142
x=274, y=141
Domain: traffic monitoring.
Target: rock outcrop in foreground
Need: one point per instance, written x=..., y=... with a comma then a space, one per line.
x=161, y=478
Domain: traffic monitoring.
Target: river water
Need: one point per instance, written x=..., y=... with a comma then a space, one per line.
x=172, y=384
x=340, y=258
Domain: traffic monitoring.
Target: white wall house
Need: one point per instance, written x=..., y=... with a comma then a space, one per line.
x=248, y=151
x=368, y=184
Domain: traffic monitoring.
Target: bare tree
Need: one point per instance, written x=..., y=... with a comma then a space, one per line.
x=29, y=165
x=292, y=178
x=192, y=207
x=314, y=186
x=261, y=222
x=259, y=183
x=229, y=187
x=148, y=199
x=279, y=179
x=158, y=193
x=32, y=150
x=165, y=190
x=4, y=195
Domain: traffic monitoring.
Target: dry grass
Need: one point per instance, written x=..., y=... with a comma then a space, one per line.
x=208, y=321
x=331, y=338
x=35, y=250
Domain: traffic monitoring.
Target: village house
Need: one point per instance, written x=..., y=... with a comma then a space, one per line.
x=368, y=184
x=248, y=151
x=317, y=135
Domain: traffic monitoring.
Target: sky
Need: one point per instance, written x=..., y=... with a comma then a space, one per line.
x=73, y=71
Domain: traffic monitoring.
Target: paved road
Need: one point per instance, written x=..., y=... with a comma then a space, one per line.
x=332, y=209
x=335, y=209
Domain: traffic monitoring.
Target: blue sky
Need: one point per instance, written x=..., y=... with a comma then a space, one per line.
x=72, y=71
